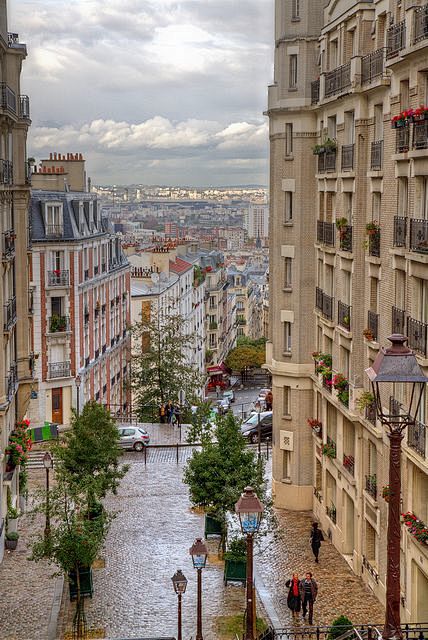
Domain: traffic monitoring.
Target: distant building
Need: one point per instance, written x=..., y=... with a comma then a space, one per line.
x=257, y=221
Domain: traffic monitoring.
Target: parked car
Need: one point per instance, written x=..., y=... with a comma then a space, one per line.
x=229, y=394
x=133, y=437
x=223, y=406
x=250, y=428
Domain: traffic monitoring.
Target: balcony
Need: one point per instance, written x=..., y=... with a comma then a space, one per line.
x=331, y=513
x=347, y=163
x=324, y=303
x=24, y=107
x=8, y=249
x=417, y=335
x=54, y=231
x=374, y=244
x=58, y=278
x=315, y=92
x=373, y=324
x=344, y=315
x=86, y=274
x=372, y=66
x=338, y=80
x=349, y=464
x=371, y=485
x=6, y=172
x=420, y=24
x=345, y=236
x=416, y=437
x=326, y=232
x=376, y=155
x=327, y=161
x=12, y=380
x=400, y=231
x=420, y=134
x=402, y=139
x=59, y=324
x=370, y=413
x=9, y=314
x=8, y=98
x=398, y=320
x=59, y=370
x=419, y=235
x=395, y=39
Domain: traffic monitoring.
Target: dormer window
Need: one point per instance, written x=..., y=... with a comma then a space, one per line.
x=81, y=218
x=91, y=217
x=54, y=221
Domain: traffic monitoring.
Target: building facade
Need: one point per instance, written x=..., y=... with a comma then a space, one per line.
x=257, y=221
x=348, y=267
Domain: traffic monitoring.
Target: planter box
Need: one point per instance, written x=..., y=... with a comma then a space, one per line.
x=86, y=584
x=235, y=571
x=213, y=526
x=10, y=544
x=12, y=525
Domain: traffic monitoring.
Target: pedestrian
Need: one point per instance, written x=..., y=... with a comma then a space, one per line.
x=169, y=409
x=257, y=406
x=217, y=390
x=293, y=598
x=316, y=539
x=162, y=414
x=177, y=414
x=308, y=595
x=269, y=401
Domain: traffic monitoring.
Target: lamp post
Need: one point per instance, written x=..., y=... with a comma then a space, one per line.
x=179, y=582
x=249, y=509
x=395, y=365
x=78, y=380
x=199, y=553
x=48, y=465
x=259, y=431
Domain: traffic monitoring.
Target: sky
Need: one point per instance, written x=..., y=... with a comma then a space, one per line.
x=150, y=91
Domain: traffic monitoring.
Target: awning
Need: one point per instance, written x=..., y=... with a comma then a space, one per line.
x=217, y=369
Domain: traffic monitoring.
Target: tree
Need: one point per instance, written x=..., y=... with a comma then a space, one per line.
x=260, y=343
x=160, y=366
x=245, y=357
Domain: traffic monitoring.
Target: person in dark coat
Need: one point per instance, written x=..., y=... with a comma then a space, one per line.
x=316, y=539
x=293, y=598
x=269, y=401
x=308, y=594
x=177, y=414
x=169, y=410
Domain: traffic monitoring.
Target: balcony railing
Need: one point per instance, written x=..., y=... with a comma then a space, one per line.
x=416, y=437
x=59, y=324
x=420, y=134
x=324, y=303
x=371, y=485
x=331, y=513
x=395, y=39
x=338, y=80
x=315, y=92
x=344, y=315
x=398, y=320
x=374, y=244
x=402, y=139
x=373, y=323
x=8, y=98
x=370, y=413
x=345, y=235
x=349, y=463
x=419, y=235
x=417, y=335
x=10, y=314
x=372, y=66
x=6, y=172
x=420, y=24
x=12, y=380
x=54, y=230
x=376, y=155
x=326, y=232
x=59, y=369
x=24, y=107
x=400, y=231
x=8, y=249
x=58, y=278
x=347, y=163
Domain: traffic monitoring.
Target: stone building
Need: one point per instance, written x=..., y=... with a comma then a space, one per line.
x=16, y=362
x=348, y=266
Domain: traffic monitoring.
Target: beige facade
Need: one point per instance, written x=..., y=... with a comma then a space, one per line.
x=349, y=238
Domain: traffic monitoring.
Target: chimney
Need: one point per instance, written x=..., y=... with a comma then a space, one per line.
x=3, y=19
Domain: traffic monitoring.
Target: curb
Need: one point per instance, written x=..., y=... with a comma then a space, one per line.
x=56, y=606
x=266, y=600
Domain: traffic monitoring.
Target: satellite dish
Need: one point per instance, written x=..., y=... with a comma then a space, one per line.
x=163, y=277
x=155, y=278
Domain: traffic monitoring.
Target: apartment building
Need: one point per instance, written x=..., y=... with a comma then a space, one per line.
x=16, y=361
x=81, y=296
x=249, y=300
x=257, y=221
x=348, y=266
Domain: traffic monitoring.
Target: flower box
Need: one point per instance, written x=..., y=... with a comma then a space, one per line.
x=86, y=584
x=213, y=526
x=416, y=527
x=235, y=570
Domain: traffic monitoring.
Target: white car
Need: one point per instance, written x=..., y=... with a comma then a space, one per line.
x=132, y=437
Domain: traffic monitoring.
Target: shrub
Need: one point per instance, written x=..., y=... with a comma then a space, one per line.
x=339, y=626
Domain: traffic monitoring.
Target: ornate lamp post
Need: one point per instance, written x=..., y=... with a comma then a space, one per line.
x=78, y=380
x=199, y=553
x=250, y=510
x=179, y=582
x=395, y=365
x=48, y=465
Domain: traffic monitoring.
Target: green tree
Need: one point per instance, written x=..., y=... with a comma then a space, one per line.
x=245, y=357
x=159, y=365
x=250, y=342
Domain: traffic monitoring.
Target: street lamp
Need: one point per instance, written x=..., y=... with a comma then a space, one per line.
x=394, y=365
x=199, y=553
x=48, y=465
x=259, y=429
x=78, y=380
x=250, y=510
x=179, y=582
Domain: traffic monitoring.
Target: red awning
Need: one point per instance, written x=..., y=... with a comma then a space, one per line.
x=217, y=369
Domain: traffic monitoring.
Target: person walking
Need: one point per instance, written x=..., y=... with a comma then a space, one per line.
x=169, y=411
x=162, y=413
x=316, y=539
x=268, y=401
x=308, y=594
x=177, y=414
x=293, y=598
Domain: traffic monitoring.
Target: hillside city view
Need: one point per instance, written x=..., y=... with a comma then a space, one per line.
x=214, y=298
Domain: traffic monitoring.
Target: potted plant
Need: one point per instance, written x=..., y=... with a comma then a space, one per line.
x=421, y=113
x=316, y=425
x=386, y=493
x=11, y=540
x=372, y=228
x=368, y=334
x=402, y=119
x=318, y=149
x=329, y=450
x=12, y=517
x=235, y=561
x=330, y=144
x=365, y=400
x=341, y=384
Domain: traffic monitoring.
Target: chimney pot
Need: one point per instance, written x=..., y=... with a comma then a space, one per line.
x=50, y=156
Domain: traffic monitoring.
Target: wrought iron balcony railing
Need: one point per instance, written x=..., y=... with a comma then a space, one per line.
x=8, y=249
x=417, y=335
x=59, y=324
x=349, y=464
x=315, y=92
x=324, y=303
x=10, y=314
x=420, y=134
x=24, y=107
x=402, y=139
x=371, y=485
x=59, y=369
x=398, y=320
x=419, y=235
x=370, y=413
x=8, y=98
x=416, y=437
x=373, y=323
x=327, y=161
x=376, y=155
x=338, y=80
x=12, y=380
x=54, y=230
x=420, y=24
x=345, y=235
x=374, y=244
x=331, y=513
x=395, y=39
x=344, y=315
x=6, y=172
x=347, y=163
x=372, y=66
x=58, y=278
x=326, y=232
x=400, y=231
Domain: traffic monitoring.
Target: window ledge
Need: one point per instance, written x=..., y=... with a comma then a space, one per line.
x=293, y=89
x=289, y=156
x=287, y=289
x=287, y=354
x=288, y=223
x=287, y=416
x=286, y=480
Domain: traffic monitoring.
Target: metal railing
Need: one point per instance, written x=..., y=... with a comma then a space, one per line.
x=417, y=335
x=374, y=574
x=6, y=172
x=10, y=314
x=420, y=24
x=371, y=485
x=410, y=631
x=374, y=244
x=24, y=107
x=12, y=380
x=347, y=161
x=372, y=66
x=338, y=80
x=8, y=249
x=344, y=315
x=376, y=155
x=420, y=134
x=58, y=278
x=418, y=235
x=60, y=369
x=398, y=320
x=54, y=230
x=395, y=39
x=326, y=232
x=59, y=324
x=331, y=513
x=8, y=98
x=318, y=494
x=370, y=413
x=416, y=437
x=400, y=231
x=315, y=92
x=324, y=303
x=402, y=139
x=373, y=323
x=349, y=464
x=345, y=238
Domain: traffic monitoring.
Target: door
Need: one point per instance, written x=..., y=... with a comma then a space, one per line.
x=57, y=405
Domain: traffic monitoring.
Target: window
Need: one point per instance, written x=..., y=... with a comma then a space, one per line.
x=286, y=465
x=376, y=202
x=331, y=127
x=57, y=260
x=292, y=80
x=404, y=95
x=421, y=299
x=348, y=206
x=287, y=273
x=370, y=546
x=288, y=207
x=349, y=127
x=424, y=198
x=378, y=118
x=287, y=337
x=286, y=408
x=400, y=289
x=288, y=139
x=333, y=54
x=54, y=220
x=403, y=196
x=295, y=10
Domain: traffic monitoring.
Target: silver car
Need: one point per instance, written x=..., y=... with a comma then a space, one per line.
x=133, y=437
